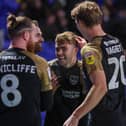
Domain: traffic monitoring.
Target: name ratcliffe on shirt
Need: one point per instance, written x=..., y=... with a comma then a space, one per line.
x=23, y=75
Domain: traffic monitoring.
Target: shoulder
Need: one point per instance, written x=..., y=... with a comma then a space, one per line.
x=88, y=49
x=4, y=52
x=36, y=58
x=41, y=59
x=53, y=62
x=90, y=53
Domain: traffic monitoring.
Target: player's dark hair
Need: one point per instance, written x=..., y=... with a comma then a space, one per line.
x=17, y=25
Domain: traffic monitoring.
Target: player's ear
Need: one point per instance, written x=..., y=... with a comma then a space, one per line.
x=26, y=35
x=76, y=49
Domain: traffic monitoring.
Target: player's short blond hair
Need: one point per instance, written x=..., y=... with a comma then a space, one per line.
x=66, y=37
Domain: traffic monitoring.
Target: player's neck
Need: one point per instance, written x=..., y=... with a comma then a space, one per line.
x=72, y=63
x=96, y=31
x=18, y=43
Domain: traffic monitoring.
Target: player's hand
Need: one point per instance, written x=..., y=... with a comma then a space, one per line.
x=80, y=41
x=54, y=81
x=71, y=121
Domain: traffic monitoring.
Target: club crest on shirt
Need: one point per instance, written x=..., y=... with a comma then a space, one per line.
x=89, y=58
x=74, y=79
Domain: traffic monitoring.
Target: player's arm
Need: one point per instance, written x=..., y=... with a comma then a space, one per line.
x=46, y=89
x=55, y=77
x=46, y=100
x=94, y=96
x=96, y=92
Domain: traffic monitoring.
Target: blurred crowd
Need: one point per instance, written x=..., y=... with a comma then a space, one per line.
x=54, y=16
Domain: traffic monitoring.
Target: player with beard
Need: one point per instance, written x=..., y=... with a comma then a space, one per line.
x=36, y=46
x=25, y=87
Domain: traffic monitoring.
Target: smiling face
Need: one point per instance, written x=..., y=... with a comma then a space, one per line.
x=66, y=53
x=36, y=39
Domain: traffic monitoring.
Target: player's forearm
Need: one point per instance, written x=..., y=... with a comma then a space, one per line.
x=46, y=100
x=93, y=98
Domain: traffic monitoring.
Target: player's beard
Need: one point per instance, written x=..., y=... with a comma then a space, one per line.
x=30, y=47
x=37, y=47
x=34, y=47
